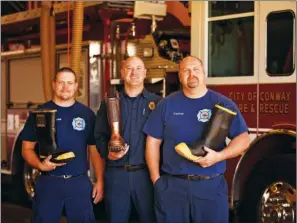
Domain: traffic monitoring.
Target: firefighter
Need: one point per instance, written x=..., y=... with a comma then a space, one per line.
x=65, y=185
x=127, y=180
x=191, y=190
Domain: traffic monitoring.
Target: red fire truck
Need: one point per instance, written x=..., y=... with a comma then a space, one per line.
x=248, y=50
x=22, y=79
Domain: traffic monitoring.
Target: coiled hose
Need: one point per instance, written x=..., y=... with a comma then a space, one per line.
x=77, y=33
x=44, y=42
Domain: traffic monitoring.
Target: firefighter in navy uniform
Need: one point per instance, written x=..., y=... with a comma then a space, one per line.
x=64, y=185
x=192, y=189
x=127, y=180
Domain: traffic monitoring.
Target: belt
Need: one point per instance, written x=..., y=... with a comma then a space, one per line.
x=195, y=177
x=65, y=176
x=131, y=167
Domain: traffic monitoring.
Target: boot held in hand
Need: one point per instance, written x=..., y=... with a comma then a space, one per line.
x=214, y=134
x=45, y=126
x=116, y=143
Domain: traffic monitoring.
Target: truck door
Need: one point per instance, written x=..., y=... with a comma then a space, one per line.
x=277, y=74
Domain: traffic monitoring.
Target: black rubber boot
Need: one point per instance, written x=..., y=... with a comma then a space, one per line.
x=45, y=126
x=214, y=135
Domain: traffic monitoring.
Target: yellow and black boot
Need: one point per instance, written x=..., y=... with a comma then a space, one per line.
x=45, y=126
x=214, y=134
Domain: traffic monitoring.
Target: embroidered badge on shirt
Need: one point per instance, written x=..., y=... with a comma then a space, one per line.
x=78, y=124
x=152, y=105
x=204, y=115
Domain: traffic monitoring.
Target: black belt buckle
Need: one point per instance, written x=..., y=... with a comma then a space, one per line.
x=132, y=167
x=128, y=167
x=202, y=177
x=192, y=177
x=66, y=176
x=195, y=177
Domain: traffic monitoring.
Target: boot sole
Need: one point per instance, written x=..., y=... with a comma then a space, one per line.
x=63, y=158
x=183, y=150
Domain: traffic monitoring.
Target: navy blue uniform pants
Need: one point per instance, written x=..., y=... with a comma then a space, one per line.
x=198, y=201
x=52, y=194
x=122, y=188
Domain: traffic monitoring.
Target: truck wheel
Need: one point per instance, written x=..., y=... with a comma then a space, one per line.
x=270, y=195
x=30, y=176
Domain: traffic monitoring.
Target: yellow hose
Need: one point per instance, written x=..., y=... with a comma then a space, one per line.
x=77, y=32
x=52, y=44
x=44, y=42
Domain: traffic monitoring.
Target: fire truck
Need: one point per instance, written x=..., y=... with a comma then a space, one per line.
x=123, y=34
x=248, y=51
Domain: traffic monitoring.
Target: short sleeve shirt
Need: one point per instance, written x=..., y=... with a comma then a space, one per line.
x=178, y=118
x=74, y=131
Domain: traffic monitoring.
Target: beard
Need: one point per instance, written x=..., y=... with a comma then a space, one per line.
x=193, y=82
x=65, y=97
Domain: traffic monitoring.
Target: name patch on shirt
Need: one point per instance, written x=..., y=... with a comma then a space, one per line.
x=178, y=113
x=78, y=124
x=204, y=115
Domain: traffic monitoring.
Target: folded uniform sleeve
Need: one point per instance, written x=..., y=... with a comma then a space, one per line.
x=91, y=138
x=238, y=125
x=102, y=131
x=28, y=133
x=155, y=123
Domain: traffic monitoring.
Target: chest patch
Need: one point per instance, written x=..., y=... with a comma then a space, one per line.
x=152, y=105
x=204, y=115
x=78, y=124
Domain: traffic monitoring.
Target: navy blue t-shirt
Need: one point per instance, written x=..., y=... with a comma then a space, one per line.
x=134, y=113
x=178, y=118
x=69, y=136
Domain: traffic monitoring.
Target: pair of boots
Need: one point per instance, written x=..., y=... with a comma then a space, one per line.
x=45, y=126
x=214, y=135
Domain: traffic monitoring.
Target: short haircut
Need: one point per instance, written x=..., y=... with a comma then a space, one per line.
x=65, y=69
x=131, y=58
x=187, y=57
x=192, y=57
x=198, y=60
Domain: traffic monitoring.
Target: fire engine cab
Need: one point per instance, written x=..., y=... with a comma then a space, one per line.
x=248, y=52
x=248, y=49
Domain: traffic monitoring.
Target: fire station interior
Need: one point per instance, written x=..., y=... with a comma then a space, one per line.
x=39, y=37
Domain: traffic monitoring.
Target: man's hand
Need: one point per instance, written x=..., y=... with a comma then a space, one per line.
x=210, y=159
x=117, y=156
x=47, y=165
x=98, y=190
x=154, y=179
